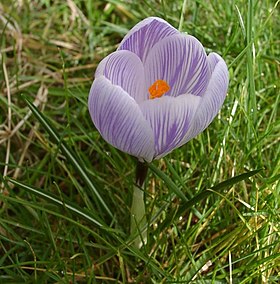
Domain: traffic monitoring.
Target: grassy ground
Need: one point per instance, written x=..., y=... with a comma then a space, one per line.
x=65, y=201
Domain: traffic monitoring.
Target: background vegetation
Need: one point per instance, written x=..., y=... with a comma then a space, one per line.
x=65, y=193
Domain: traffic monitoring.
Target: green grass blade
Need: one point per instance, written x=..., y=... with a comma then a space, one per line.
x=67, y=152
x=170, y=184
x=54, y=199
x=225, y=184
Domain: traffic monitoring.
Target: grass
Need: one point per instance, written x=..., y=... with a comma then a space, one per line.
x=66, y=194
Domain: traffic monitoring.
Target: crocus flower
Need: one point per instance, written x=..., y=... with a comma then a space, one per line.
x=157, y=91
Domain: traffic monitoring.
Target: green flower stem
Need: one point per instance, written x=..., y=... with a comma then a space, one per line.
x=138, y=222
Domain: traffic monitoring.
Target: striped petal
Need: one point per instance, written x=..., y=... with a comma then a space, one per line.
x=213, y=98
x=170, y=119
x=119, y=119
x=213, y=59
x=181, y=61
x=143, y=36
x=125, y=69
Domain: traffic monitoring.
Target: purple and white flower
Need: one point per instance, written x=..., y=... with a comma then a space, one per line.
x=157, y=91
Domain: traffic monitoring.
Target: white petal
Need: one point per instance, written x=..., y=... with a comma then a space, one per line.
x=143, y=36
x=123, y=68
x=181, y=61
x=213, y=58
x=170, y=119
x=213, y=98
x=119, y=119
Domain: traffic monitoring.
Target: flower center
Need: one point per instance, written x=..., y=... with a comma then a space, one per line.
x=158, y=88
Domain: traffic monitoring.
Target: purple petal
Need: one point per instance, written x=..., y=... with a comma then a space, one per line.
x=213, y=98
x=181, y=61
x=213, y=59
x=143, y=36
x=119, y=119
x=170, y=119
x=123, y=68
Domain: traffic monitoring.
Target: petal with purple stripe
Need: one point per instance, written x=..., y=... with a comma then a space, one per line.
x=123, y=68
x=170, y=119
x=213, y=98
x=213, y=59
x=143, y=36
x=119, y=119
x=181, y=61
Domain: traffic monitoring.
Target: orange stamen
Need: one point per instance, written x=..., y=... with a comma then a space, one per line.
x=158, y=88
